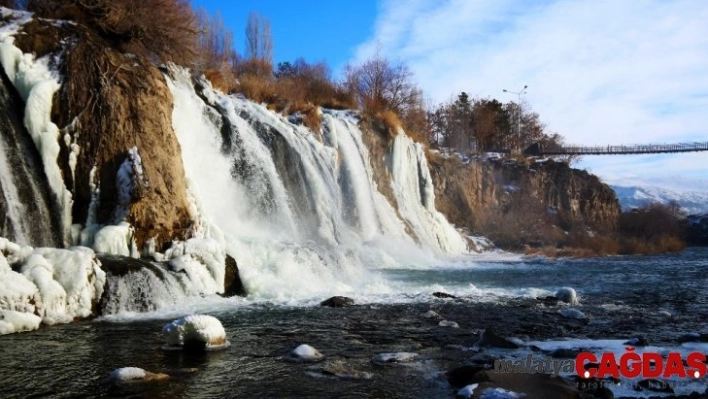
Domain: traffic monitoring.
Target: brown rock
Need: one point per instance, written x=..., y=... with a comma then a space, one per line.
x=232, y=280
x=113, y=102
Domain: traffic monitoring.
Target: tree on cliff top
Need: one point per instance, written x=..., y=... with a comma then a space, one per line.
x=162, y=29
x=259, y=43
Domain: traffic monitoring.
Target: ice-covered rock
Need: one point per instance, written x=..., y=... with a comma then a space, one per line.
x=304, y=353
x=12, y=322
x=54, y=285
x=195, y=331
x=133, y=374
x=568, y=295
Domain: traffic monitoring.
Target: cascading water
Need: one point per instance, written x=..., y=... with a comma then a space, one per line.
x=302, y=214
x=28, y=206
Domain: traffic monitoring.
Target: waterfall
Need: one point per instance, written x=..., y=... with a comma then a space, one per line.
x=28, y=205
x=300, y=211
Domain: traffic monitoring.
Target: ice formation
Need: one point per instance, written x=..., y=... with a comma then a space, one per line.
x=47, y=284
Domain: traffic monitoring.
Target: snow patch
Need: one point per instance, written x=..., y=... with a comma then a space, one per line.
x=305, y=353
x=199, y=329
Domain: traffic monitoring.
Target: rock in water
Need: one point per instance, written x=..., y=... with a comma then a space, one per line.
x=304, y=353
x=568, y=295
x=341, y=370
x=489, y=338
x=387, y=358
x=195, y=332
x=133, y=374
x=448, y=323
x=637, y=341
x=233, y=286
x=338, y=302
x=572, y=314
x=464, y=375
x=443, y=295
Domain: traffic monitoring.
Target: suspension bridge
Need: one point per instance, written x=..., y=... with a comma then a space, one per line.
x=538, y=149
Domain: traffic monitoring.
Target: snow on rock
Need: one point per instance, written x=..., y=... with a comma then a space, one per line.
x=398, y=357
x=467, y=391
x=568, y=295
x=201, y=331
x=12, y=322
x=133, y=374
x=47, y=284
x=572, y=314
x=305, y=353
x=129, y=181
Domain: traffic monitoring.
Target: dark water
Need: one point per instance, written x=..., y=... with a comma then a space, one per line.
x=72, y=360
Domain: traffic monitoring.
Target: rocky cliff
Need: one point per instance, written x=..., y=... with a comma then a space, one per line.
x=520, y=203
x=119, y=156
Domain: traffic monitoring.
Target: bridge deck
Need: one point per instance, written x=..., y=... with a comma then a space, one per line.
x=539, y=150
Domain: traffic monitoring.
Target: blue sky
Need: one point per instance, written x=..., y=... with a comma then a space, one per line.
x=315, y=30
x=599, y=72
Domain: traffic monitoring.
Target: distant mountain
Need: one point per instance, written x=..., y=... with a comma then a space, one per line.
x=693, y=202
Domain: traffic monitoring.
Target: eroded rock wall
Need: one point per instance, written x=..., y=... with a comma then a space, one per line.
x=110, y=102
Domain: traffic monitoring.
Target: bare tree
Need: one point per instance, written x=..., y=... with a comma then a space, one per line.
x=259, y=42
x=215, y=43
x=380, y=85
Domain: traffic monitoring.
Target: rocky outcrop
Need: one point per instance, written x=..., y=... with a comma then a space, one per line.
x=540, y=203
x=109, y=103
x=233, y=286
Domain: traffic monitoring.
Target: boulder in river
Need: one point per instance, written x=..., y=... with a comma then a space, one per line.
x=490, y=338
x=338, y=302
x=195, y=332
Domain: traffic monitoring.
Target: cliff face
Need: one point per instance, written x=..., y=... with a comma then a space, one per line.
x=110, y=103
x=538, y=204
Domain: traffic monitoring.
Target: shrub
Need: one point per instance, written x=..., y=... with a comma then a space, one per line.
x=164, y=30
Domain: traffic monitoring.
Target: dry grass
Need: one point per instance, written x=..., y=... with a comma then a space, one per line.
x=257, y=89
x=224, y=81
x=390, y=122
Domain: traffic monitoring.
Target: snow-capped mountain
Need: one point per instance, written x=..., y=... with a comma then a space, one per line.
x=693, y=202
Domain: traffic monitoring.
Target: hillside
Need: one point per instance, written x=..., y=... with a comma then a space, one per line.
x=692, y=202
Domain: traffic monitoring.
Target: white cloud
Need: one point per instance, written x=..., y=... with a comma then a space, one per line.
x=599, y=72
